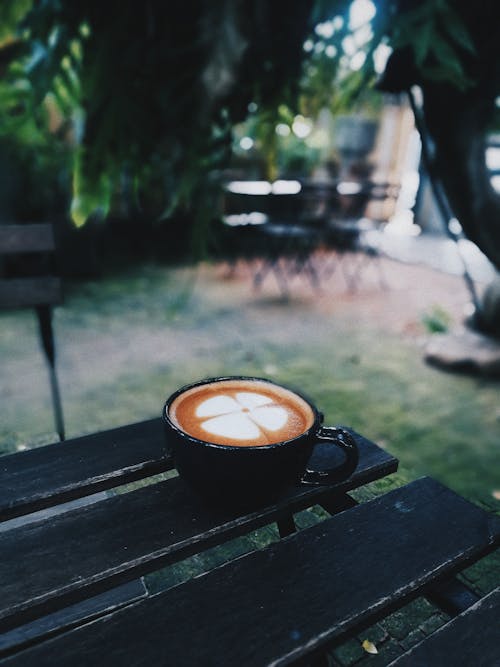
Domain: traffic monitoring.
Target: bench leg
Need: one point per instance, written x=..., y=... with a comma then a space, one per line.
x=452, y=596
x=336, y=503
x=44, y=315
x=333, y=505
x=320, y=661
x=286, y=525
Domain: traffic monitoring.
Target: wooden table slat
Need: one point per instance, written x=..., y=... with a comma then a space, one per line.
x=88, y=550
x=46, y=476
x=313, y=589
x=469, y=639
x=37, y=237
x=72, y=616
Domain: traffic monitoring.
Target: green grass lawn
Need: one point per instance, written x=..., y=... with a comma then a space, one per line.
x=127, y=341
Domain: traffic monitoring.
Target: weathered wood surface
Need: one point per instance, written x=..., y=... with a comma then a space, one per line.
x=72, y=616
x=473, y=638
x=28, y=292
x=26, y=238
x=295, y=598
x=42, y=477
x=92, y=549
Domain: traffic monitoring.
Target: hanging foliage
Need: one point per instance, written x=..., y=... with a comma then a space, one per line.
x=156, y=87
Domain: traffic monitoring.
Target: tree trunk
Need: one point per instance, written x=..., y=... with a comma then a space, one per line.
x=458, y=123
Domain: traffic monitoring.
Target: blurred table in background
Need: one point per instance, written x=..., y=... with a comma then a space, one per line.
x=283, y=224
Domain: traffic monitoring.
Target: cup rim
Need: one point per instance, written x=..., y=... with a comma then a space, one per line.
x=317, y=415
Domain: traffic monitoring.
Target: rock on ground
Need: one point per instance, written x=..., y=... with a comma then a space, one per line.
x=467, y=350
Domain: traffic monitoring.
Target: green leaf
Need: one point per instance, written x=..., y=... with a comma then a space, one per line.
x=457, y=30
x=92, y=190
x=423, y=42
x=447, y=58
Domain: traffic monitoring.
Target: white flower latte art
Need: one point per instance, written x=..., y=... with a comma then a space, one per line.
x=242, y=416
x=240, y=411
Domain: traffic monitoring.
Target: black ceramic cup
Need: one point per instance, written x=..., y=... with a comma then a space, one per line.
x=248, y=475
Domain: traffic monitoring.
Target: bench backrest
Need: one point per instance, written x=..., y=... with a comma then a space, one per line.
x=28, y=282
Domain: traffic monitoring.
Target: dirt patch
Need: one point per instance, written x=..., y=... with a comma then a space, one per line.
x=389, y=295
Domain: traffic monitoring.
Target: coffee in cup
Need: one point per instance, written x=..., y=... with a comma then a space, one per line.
x=244, y=440
x=241, y=413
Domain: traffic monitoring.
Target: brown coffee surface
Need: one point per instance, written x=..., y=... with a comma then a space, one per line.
x=246, y=413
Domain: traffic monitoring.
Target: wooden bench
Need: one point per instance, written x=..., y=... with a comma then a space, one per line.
x=55, y=562
x=33, y=244
x=284, y=604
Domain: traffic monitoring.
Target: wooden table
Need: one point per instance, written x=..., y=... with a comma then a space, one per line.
x=67, y=575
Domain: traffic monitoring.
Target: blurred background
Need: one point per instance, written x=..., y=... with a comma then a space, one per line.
x=304, y=191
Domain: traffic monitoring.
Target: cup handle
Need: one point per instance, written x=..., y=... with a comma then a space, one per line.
x=343, y=439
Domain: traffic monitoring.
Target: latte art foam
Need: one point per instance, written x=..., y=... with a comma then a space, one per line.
x=241, y=413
